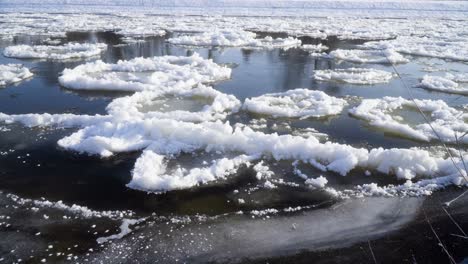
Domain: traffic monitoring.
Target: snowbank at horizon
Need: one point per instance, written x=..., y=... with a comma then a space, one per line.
x=244, y=7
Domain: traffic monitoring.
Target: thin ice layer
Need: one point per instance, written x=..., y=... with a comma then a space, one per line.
x=12, y=73
x=354, y=75
x=67, y=51
x=369, y=56
x=298, y=103
x=156, y=73
x=448, y=123
x=234, y=38
x=450, y=83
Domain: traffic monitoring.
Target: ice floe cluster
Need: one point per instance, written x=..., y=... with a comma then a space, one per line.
x=354, y=75
x=445, y=123
x=231, y=38
x=386, y=56
x=64, y=52
x=12, y=73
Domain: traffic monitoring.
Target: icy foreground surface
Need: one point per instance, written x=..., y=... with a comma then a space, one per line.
x=65, y=52
x=299, y=103
x=354, y=76
x=162, y=135
x=445, y=122
x=12, y=73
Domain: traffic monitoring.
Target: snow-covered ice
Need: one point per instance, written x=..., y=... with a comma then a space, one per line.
x=12, y=73
x=298, y=103
x=369, y=56
x=447, y=122
x=65, y=52
x=450, y=83
x=234, y=38
x=354, y=75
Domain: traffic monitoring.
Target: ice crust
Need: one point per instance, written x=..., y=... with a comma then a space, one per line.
x=449, y=123
x=65, y=52
x=13, y=73
x=354, y=75
x=297, y=103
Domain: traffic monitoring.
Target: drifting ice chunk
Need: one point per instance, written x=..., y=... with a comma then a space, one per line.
x=234, y=38
x=369, y=56
x=457, y=84
x=156, y=73
x=300, y=103
x=446, y=121
x=150, y=173
x=314, y=48
x=12, y=73
x=354, y=75
x=67, y=51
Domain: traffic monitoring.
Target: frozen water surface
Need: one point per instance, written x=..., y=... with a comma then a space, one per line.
x=147, y=138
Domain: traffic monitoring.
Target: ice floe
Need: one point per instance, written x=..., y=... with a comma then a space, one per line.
x=369, y=56
x=450, y=83
x=65, y=52
x=448, y=123
x=156, y=73
x=12, y=73
x=234, y=38
x=297, y=103
x=354, y=75
x=452, y=48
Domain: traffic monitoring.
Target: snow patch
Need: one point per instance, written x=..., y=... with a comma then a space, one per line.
x=12, y=73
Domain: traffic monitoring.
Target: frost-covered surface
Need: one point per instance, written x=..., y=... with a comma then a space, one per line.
x=354, y=75
x=450, y=83
x=298, y=103
x=369, y=56
x=231, y=38
x=445, y=122
x=12, y=73
x=67, y=51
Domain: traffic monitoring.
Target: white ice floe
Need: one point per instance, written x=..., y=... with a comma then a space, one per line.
x=12, y=73
x=354, y=75
x=156, y=73
x=450, y=83
x=448, y=123
x=124, y=230
x=450, y=47
x=151, y=173
x=369, y=56
x=298, y=103
x=314, y=48
x=234, y=38
x=318, y=182
x=64, y=52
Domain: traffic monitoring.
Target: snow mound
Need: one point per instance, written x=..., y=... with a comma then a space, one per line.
x=12, y=73
x=369, y=56
x=234, y=38
x=65, y=52
x=354, y=76
x=297, y=103
x=445, y=120
x=457, y=84
x=156, y=73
